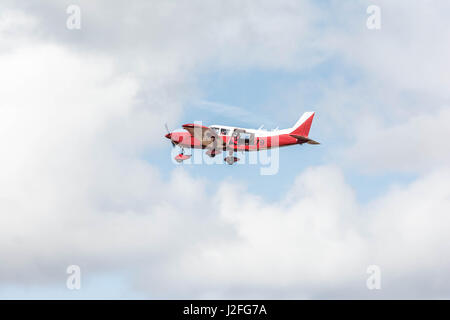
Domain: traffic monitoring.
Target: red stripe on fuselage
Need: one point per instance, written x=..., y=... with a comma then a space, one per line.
x=186, y=140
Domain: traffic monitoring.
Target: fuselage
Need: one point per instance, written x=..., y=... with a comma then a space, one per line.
x=247, y=140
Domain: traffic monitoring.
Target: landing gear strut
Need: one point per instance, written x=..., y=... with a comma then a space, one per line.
x=213, y=152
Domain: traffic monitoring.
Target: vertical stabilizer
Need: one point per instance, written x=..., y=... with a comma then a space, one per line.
x=303, y=125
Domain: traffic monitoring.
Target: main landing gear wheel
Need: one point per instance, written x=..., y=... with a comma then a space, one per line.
x=230, y=159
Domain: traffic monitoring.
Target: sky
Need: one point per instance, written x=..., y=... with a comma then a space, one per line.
x=87, y=177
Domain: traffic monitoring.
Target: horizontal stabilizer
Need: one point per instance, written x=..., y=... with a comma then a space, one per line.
x=303, y=139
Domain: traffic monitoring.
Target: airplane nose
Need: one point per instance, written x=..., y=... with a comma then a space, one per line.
x=168, y=136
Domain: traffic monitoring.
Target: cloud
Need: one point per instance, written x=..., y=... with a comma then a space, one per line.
x=408, y=52
x=232, y=34
x=222, y=108
x=416, y=145
x=76, y=188
x=384, y=107
x=55, y=107
x=317, y=242
x=230, y=111
x=78, y=110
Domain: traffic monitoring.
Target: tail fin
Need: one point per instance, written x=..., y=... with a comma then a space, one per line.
x=301, y=128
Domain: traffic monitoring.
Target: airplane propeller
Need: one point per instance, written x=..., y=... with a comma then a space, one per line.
x=168, y=135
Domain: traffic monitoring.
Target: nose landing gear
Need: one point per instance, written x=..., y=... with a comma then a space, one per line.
x=181, y=157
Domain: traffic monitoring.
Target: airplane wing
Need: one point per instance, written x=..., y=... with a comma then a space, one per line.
x=208, y=137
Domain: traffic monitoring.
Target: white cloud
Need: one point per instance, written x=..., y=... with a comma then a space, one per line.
x=317, y=243
x=77, y=111
x=392, y=107
x=419, y=144
x=169, y=38
x=410, y=50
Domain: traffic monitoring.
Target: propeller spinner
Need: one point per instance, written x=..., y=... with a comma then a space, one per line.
x=169, y=135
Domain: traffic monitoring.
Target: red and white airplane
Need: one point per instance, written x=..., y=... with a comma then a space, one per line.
x=218, y=138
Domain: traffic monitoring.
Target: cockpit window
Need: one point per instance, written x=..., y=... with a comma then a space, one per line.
x=224, y=132
x=246, y=138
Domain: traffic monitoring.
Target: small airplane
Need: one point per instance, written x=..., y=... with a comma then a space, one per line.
x=218, y=138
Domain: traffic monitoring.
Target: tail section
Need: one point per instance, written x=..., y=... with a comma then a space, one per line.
x=303, y=125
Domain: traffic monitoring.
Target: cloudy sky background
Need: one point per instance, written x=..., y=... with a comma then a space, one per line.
x=86, y=177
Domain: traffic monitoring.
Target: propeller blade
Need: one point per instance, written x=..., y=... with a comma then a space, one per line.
x=168, y=132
